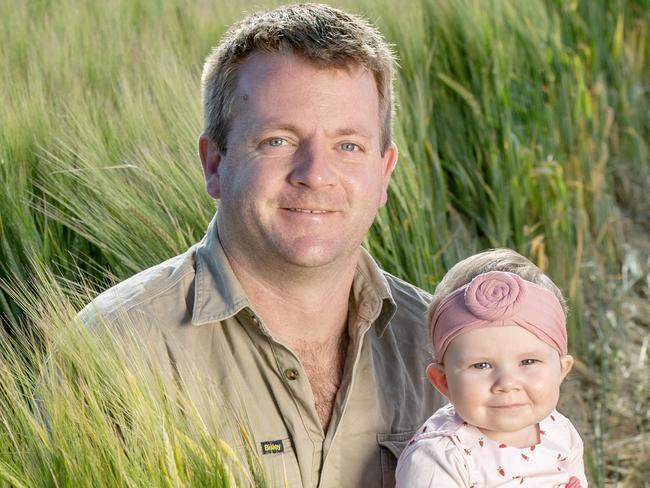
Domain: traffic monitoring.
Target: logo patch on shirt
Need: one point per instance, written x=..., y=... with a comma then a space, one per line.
x=272, y=447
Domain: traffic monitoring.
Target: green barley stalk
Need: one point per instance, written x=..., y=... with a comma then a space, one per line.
x=84, y=408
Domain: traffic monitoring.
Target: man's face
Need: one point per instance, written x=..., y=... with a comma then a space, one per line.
x=303, y=176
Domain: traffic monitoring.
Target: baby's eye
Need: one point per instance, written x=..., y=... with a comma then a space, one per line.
x=528, y=362
x=481, y=365
x=350, y=147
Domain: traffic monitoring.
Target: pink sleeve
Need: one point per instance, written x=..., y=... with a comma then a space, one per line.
x=576, y=465
x=431, y=463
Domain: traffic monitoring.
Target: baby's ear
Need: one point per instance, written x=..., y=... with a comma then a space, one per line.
x=438, y=377
x=566, y=363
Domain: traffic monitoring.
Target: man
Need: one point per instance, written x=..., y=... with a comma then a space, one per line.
x=279, y=306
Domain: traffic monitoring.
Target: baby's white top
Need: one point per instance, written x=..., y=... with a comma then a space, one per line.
x=447, y=452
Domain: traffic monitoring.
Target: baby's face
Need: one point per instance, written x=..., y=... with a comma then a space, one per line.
x=503, y=380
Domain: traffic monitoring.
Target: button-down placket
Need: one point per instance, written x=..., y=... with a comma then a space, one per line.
x=357, y=393
x=305, y=428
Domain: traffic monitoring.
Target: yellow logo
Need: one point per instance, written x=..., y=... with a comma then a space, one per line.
x=272, y=447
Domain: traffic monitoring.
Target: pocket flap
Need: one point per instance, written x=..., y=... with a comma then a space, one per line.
x=395, y=443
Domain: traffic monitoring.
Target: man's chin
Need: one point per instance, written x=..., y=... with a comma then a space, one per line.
x=317, y=257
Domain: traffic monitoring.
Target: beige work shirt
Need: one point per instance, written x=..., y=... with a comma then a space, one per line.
x=193, y=313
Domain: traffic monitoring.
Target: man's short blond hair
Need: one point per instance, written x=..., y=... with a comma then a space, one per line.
x=502, y=259
x=320, y=34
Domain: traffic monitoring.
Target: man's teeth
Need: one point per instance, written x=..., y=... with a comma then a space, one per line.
x=308, y=211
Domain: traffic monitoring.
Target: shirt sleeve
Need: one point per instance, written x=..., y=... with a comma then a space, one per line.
x=576, y=465
x=431, y=463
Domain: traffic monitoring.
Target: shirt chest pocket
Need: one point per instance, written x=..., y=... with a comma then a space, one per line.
x=390, y=448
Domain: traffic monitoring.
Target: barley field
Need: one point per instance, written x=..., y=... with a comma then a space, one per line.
x=523, y=124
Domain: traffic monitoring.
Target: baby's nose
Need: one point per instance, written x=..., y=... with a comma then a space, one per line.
x=506, y=381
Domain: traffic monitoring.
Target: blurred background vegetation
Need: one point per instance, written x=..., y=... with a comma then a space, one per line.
x=520, y=123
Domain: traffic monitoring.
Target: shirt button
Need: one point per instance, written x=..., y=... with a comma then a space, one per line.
x=291, y=374
x=254, y=318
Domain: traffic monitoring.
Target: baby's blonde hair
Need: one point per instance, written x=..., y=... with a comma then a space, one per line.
x=502, y=259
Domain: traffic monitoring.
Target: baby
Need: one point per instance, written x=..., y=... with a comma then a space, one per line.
x=500, y=347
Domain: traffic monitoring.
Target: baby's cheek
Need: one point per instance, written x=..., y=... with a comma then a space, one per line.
x=467, y=397
x=544, y=388
x=466, y=386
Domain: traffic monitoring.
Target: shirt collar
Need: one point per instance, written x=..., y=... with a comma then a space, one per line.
x=218, y=294
x=371, y=296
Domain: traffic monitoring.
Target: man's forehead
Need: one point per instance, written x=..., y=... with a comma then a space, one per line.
x=278, y=90
x=282, y=63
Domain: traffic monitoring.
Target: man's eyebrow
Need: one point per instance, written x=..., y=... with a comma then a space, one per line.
x=267, y=125
x=352, y=131
x=271, y=125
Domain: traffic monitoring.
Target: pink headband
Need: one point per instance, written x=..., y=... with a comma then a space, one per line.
x=499, y=298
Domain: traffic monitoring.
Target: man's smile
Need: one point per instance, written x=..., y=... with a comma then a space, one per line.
x=304, y=210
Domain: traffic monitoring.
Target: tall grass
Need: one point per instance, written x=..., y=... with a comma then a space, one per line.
x=521, y=124
x=506, y=131
x=90, y=410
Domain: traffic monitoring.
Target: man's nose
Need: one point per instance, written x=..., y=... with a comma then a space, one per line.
x=313, y=166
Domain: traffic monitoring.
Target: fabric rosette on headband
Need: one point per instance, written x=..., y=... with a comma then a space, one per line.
x=495, y=296
x=499, y=298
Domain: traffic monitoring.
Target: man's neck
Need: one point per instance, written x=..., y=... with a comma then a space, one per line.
x=306, y=305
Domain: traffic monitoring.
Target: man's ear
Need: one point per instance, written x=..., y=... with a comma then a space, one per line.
x=566, y=363
x=210, y=160
x=438, y=377
x=389, y=161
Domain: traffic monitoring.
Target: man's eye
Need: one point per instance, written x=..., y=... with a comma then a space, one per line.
x=528, y=362
x=275, y=142
x=481, y=365
x=349, y=147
